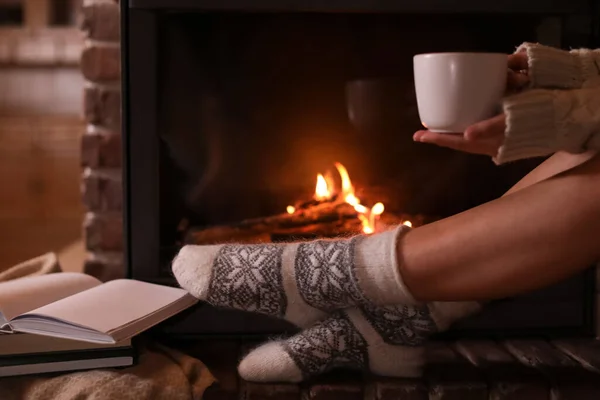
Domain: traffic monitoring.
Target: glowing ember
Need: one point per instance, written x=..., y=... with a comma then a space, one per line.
x=291, y=209
x=407, y=223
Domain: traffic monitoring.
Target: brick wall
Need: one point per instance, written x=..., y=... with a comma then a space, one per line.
x=101, y=142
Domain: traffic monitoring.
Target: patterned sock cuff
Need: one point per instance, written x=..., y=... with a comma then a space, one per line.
x=376, y=267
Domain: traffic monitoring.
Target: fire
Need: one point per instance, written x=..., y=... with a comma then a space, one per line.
x=347, y=188
x=325, y=190
x=322, y=191
x=367, y=216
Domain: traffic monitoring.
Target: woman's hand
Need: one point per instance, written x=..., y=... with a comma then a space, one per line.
x=517, y=79
x=484, y=137
x=487, y=136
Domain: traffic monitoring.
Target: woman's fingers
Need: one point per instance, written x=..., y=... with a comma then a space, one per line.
x=418, y=135
x=451, y=140
x=517, y=71
x=516, y=80
x=518, y=61
x=458, y=142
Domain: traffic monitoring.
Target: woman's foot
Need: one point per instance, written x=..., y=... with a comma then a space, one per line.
x=300, y=282
x=387, y=341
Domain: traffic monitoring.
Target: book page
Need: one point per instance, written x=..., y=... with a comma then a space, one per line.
x=25, y=294
x=111, y=305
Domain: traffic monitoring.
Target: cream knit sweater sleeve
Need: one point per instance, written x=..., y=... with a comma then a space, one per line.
x=552, y=68
x=540, y=122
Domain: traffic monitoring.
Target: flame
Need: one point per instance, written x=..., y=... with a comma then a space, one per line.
x=377, y=209
x=347, y=188
x=325, y=190
x=330, y=181
x=322, y=191
x=367, y=216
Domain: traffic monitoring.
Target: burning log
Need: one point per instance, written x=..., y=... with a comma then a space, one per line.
x=328, y=214
x=324, y=218
x=320, y=221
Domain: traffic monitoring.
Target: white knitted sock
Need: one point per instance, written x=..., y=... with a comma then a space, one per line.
x=299, y=282
x=387, y=341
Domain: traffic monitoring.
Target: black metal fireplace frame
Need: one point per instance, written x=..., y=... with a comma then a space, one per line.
x=141, y=165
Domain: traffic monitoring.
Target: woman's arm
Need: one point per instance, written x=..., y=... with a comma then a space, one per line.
x=527, y=240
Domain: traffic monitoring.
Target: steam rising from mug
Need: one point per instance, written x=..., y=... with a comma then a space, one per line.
x=455, y=90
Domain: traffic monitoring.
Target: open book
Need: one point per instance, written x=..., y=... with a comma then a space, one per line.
x=80, y=307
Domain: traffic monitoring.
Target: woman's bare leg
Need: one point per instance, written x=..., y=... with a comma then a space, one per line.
x=545, y=229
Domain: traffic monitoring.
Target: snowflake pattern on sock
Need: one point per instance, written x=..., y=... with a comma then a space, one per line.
x=332, y=343
x=248, y=277
x=325, y=274
x=401, y=325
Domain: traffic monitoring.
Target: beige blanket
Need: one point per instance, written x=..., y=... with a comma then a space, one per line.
x=161, y=373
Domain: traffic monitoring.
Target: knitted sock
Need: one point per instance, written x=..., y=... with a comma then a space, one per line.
x=300, y=282
x=386, y=340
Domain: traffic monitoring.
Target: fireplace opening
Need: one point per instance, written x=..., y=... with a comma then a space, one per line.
x=253, y=107
x=259, y=127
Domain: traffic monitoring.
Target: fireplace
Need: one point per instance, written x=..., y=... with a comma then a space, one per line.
x=245, y=121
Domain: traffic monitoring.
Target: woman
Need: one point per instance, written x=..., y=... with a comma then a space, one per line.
x=371, y=302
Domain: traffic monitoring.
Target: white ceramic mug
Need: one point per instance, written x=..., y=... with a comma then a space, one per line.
x=455, y=90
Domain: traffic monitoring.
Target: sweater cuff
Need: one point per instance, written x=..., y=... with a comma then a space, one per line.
x=590, y=66
x=553, y=68
x=530, y=127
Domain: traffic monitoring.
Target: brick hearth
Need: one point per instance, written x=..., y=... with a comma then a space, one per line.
x=101, y=143
x=477, y=370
